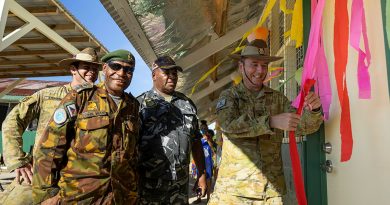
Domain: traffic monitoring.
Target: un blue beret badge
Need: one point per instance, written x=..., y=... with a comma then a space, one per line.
x=60, y=116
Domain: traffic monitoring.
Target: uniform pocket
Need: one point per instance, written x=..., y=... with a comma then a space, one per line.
x=91, y=134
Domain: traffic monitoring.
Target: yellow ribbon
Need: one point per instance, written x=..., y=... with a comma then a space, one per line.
x=297, y=24
x=296, y=33
x=284, y=8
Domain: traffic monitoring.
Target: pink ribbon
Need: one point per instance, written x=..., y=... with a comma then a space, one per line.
x=358, y=27
x=315, y=65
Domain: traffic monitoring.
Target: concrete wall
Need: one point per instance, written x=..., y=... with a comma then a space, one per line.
x=365, y=179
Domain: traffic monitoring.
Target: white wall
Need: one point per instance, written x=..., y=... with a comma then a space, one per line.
x=365, y=179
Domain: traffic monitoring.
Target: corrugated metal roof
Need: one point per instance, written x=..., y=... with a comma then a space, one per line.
x=27, y=87
x=35, y=55
x=198, y=34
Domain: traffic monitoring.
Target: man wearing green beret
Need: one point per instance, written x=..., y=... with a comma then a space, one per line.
x=84, y=68
x=88, y=152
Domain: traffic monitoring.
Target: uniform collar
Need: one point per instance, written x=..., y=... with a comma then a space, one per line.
x=68, y=87
x=156, y=95
x=242, y=89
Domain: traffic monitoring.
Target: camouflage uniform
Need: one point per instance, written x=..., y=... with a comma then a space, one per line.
x=167, y=133
x=251, y=170
x=88, y=152
x=40, y=105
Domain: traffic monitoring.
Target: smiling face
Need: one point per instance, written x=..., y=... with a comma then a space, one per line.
x=253, y=72
x=84, y=70
x=117, y=81
x=165, y=80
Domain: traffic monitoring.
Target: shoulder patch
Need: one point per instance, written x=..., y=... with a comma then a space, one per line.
x=60, y=116
x=221, y=103
x=71, y=110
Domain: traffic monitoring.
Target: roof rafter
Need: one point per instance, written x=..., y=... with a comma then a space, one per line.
x=33, y=52
x=213, y=87
x=216, y=45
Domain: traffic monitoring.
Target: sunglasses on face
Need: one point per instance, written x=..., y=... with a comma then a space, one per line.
x=117, y=67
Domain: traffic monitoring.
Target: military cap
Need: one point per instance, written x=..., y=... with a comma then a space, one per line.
x=119, y=55
x=256, y=47
x=165, y=62
x=88, y=55
x=258, y=50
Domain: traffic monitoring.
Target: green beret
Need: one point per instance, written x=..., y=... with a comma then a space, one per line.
x=119, y=55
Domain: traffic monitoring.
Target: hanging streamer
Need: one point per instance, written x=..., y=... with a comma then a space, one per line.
x=358, y=27
x=309, y=71
x=267, y=11
x=297, y=24
x=273, y=73
x=322, y=87
x=294, y=155
x=340, y=47
x=201, y=79
x=283, y=7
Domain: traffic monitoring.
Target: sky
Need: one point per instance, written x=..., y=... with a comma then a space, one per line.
x=98, y=21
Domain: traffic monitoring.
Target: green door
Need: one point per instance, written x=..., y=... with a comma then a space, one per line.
x=311, y=153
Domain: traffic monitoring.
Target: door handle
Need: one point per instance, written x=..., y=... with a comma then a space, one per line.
x=327, y=166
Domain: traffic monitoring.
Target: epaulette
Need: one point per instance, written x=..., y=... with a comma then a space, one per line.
x=141, y=97
x=181, y=95
x=83, y=86
x=184, y=97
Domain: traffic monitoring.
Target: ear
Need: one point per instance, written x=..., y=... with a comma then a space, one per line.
x=104, y=69
x=241, y=66
x=73, y=69
x=154, y=75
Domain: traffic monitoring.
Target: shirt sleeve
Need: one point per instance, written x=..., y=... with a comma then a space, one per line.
x=13, y=127
x=236, y=124
x=51, y=150
x=310, y=120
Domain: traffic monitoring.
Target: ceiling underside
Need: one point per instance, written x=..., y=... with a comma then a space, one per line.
x=35, y=54
x=198, y=34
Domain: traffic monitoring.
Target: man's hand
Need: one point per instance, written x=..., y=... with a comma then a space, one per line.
x=202, y=183
x=285, y=121
x=312, y=101
x=24, y=173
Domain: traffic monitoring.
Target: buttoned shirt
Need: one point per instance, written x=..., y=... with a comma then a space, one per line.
x=88, y=152
x=167, y=132
x=251, y=163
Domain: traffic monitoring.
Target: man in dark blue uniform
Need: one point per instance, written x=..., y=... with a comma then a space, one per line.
x=169, y=132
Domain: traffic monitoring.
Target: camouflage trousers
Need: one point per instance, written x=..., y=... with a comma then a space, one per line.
x=228, y=199
x=17, y=194
x=164, y=192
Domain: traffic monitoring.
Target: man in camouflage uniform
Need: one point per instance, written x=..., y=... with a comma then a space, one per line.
x=88, y=153
x=41, y=105
x=253, y=118
x=168, y=133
